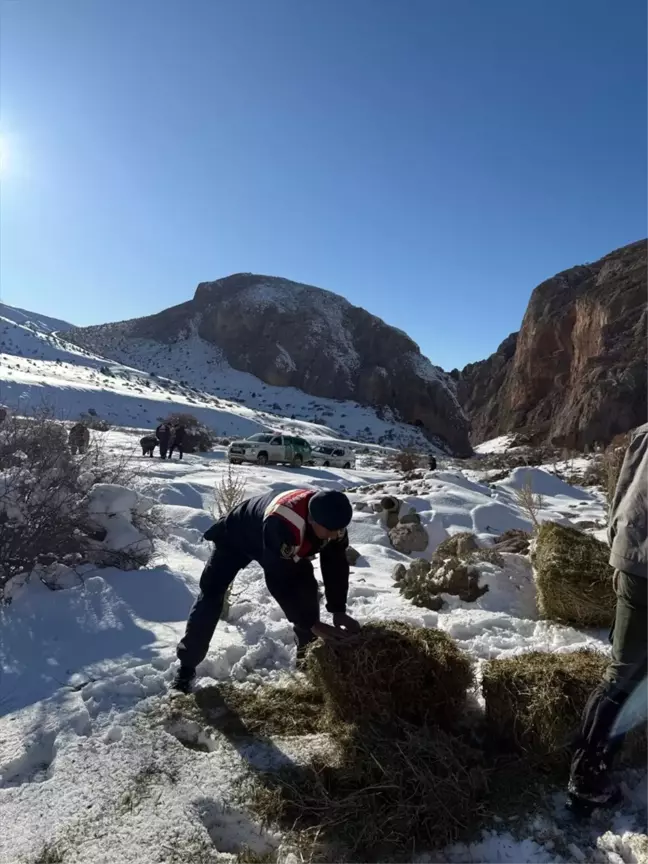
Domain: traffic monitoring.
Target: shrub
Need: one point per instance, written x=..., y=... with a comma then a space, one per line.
x=44, y=509
x=530, y=502
x=573, y=577
x=228, y=492
x=406, y=460
x=93, y=422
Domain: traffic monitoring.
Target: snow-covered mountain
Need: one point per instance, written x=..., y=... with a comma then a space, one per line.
x=34, y=320
x=41, y=367
x=290, y=335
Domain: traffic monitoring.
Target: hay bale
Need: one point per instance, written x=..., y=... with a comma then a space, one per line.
x=392, y=672
x=384, y=796
x=534, y=701
x=573, y=577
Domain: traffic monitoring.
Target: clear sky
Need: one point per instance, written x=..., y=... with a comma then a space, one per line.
x=431, y=160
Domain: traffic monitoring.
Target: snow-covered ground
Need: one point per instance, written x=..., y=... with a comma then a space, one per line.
x=86, y=768
x=40, y=367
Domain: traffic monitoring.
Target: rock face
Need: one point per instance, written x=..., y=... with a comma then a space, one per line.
x=294, y=335
x=575, y=374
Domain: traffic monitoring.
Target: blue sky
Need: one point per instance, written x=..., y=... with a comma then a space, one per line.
x=431, y=160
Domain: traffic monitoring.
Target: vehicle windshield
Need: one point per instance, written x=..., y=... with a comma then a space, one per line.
x=327, y=451
x=264, y=439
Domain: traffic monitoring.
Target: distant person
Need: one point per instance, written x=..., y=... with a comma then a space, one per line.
x=177, y=440
x=599, y=739
x=163, y=435
x=432, y=463
x=79, y=438
x=283, y=533
x=148, y=443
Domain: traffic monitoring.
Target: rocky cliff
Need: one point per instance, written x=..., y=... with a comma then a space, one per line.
x=575, y=374
x=290, y=334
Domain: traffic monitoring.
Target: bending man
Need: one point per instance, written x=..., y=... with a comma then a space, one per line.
x=283, y=533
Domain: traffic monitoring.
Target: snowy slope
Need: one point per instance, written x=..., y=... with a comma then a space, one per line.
x=39, y=368
x=93, y=771
x=42, y=323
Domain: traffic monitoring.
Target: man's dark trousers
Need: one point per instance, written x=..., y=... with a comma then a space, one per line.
x=296, y=593
x=597, y=742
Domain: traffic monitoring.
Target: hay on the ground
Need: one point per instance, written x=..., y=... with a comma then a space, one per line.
x=385, y=794
x=392, y=672
x=295, y=708
x=535, y=701
x=573, y=577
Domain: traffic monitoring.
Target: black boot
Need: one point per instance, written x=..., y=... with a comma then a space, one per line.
x=184, y=678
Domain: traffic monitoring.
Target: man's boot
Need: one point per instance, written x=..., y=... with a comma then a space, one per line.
x=184, y=678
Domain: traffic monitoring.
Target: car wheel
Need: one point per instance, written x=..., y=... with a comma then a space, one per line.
x=298, y=461
x=235, y=461
x=347, y=465
x=327, y=464
x=262, y=459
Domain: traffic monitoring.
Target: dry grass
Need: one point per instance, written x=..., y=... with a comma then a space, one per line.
x=229, y=491
x=267, y=711
x=390, y=673
x=385, y=795
x=573, y=577
x=535, y=701
x=529, y=502
x=406, y=460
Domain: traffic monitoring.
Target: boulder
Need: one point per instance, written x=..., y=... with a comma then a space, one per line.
x=409, y=538
x=352, y=555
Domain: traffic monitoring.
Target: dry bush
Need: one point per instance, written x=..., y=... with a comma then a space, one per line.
x=573, y=577
x=390, y=672
x=94, y=422
x=44, y=516
x=229, y=491
x=406, y=460
x=530, y=502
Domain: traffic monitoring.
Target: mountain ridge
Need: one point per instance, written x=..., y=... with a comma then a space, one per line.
x=574, y=375
x=290, y=334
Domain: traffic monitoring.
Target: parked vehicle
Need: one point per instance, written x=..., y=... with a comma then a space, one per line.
x=271, y=448
x=333, y=456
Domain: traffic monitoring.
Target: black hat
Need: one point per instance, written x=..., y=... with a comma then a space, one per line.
x=332, y=510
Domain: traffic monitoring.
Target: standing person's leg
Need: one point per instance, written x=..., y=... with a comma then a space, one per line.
x=217, y=576
x=597, y=743
x=163, y=449
x=298, y=596
x=179, y=451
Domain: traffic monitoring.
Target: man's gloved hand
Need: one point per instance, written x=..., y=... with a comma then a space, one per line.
x=345, y=622
x=345, y=627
